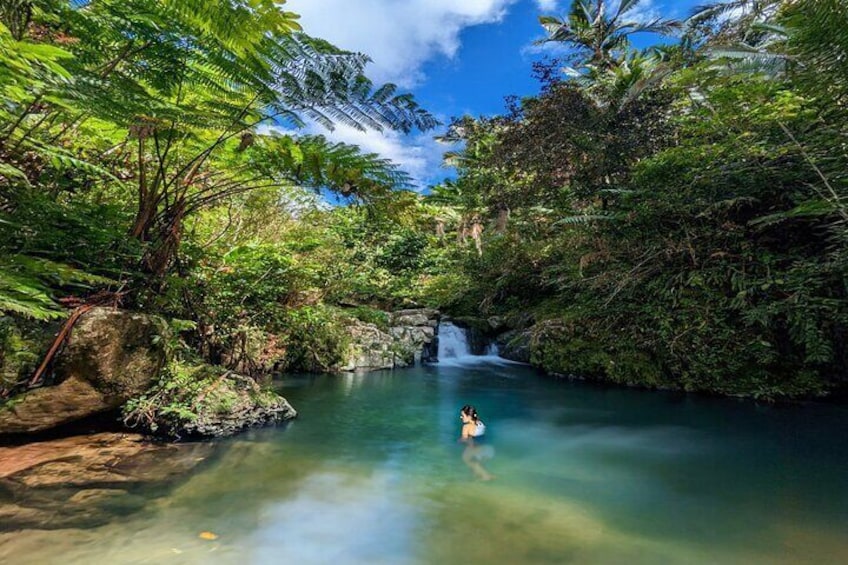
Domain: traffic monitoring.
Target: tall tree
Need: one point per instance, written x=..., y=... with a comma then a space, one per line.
x=599, y=30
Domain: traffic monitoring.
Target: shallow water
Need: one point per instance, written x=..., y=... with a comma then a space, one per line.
x=371, y=472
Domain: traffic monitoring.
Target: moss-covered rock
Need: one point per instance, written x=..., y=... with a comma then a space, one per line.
x=110, y=357
x=514, y=345
x=561, y=347
x=205, y=401
x=22, y=345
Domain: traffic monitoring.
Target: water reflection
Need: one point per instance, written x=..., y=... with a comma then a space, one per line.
x=474, y=455
x=337, y=518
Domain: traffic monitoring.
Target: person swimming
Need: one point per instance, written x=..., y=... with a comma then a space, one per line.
x=472, y=425
x=473, y=430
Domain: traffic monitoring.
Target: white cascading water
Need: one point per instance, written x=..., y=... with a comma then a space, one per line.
x=453, y=343
x=454, y=348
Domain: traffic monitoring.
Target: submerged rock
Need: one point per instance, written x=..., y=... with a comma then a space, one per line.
x=110, y=356
x=84, y=481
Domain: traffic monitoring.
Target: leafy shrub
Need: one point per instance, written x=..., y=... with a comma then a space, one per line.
x=370, y=316
x=315, y=339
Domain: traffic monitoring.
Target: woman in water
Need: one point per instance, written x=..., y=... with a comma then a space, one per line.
x=472, y=425
x=473, y=430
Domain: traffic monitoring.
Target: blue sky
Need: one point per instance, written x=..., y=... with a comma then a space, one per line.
x=457, y=56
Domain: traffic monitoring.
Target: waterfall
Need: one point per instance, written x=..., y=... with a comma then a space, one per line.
x=453, y=343
x=454, y=348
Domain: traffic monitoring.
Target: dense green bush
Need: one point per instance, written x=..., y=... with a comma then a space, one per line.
x=315, y=339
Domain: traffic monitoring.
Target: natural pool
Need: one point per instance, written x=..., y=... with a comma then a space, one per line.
x=371, y=473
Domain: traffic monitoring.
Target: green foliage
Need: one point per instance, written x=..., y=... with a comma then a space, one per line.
x=59, y=248
x=168, y=97
x=27, y=283
x=671, y=224
x=22, y=343
x=600, y=32
x=674, y=217
x=370, y=316
x=315, y=339
x=135, y=157
x=403, y=251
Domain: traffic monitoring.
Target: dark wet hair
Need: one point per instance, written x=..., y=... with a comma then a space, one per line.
x=471, y=412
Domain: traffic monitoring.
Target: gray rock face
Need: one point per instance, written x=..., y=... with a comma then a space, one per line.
x=371, y=349
x=414, y=344
x=514, y=345
x=110, y=356
x=410, y=340
x=417, y=317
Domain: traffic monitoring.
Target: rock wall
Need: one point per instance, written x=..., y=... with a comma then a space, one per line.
x=410, y=339
x=515, y=345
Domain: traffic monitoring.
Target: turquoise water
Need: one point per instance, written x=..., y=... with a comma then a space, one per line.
x=371, y=472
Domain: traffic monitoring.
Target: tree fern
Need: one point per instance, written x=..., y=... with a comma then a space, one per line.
x=28, y=285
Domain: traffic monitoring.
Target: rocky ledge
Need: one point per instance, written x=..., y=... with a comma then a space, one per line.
x=410, y=339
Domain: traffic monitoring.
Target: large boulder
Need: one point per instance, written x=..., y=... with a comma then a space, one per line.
x=110, y=356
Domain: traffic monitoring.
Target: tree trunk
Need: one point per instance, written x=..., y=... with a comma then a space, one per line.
x=159, y=256
x=502, y=221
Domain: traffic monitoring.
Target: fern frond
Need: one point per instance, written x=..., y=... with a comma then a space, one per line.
x=585, y=219
x=27, y=285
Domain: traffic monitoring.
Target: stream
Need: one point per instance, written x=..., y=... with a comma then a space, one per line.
x=371, y=472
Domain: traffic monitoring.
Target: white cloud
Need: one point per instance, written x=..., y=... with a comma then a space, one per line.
x=419, y=155
x=645, y=11
x=547, y=5
x=399, y=35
